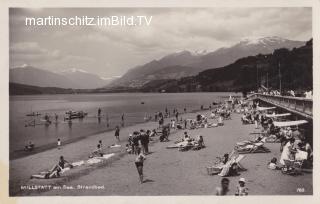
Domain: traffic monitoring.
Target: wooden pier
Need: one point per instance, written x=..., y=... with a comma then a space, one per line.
x=296, y=105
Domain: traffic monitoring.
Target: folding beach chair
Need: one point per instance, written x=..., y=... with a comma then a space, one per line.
x=223, y=169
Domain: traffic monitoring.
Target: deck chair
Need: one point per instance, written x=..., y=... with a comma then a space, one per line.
x=223, y=169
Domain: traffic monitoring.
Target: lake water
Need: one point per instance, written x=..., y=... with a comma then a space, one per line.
x=134, y=106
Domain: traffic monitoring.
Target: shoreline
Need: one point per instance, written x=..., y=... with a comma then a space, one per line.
x=168, y=171
x=17, y=154
x=18, y=175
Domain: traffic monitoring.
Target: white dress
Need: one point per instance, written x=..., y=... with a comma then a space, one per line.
x=285, y=153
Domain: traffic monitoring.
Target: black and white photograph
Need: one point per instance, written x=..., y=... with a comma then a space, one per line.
x=161, y=101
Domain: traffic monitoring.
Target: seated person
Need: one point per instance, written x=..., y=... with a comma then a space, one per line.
x=55, y=171
x=200, y=141
x=185, y=137
x=198, y=144
x=153, y=133
x=229, y=169
x=273, y=164
x=97, y=152
x=220, y=121
x=245, y=119
x=165, y=135
x=248, y=147
x=129, y=149
x=29, y=147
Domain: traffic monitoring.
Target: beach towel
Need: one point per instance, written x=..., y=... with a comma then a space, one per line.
x=114, y=146
x=78, y=163
x=96, y=160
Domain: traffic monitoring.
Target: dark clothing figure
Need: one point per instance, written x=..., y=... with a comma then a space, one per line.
x=117, y=133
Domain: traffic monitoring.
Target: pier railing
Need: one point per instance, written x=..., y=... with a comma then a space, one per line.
x=298, y=105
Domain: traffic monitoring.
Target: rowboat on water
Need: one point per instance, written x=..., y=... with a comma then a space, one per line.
x=75, y=114
x=33, y=114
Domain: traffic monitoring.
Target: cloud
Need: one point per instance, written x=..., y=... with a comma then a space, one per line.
x=110, y=51
x=32, y=53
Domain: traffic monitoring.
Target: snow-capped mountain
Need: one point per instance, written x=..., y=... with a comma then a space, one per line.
x=186, y=63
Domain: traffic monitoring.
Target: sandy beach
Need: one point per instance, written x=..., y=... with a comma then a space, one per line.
x=167, y=171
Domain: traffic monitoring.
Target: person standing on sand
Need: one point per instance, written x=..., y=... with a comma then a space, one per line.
x=139, y=164
x=185, y=123
x=117, y=133
x=224, y=188
x=100, y=143
x=122, y=119
x=107, y=119
x=59, y=143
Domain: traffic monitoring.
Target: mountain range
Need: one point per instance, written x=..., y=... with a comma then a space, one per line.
x=173, y=66
x=186, y=63
x=72, y=78
x=288, y=69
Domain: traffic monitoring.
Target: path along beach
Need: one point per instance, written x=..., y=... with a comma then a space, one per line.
x=167, y=171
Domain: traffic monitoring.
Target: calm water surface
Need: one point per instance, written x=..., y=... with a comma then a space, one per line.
x=112, y=106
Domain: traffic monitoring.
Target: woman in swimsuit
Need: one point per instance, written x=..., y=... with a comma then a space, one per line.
x=139, y=164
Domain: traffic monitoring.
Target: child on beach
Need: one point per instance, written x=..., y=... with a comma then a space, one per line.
x=242, y=190
x=139, y=164
x=100, y=143
x=273, y=164
x=117, y=133
x=59, y=143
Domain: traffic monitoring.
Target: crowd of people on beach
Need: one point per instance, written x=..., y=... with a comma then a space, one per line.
x=291, y=140
x=294, y=145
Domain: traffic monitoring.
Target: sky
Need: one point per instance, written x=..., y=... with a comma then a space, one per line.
x=110, y=51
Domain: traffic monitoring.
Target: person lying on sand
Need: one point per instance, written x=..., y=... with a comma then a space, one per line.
x=249, y=147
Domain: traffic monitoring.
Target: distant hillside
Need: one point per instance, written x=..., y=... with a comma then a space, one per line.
x=247, y=73
x=185, y=63
x=22, y=89
x=73, y=78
